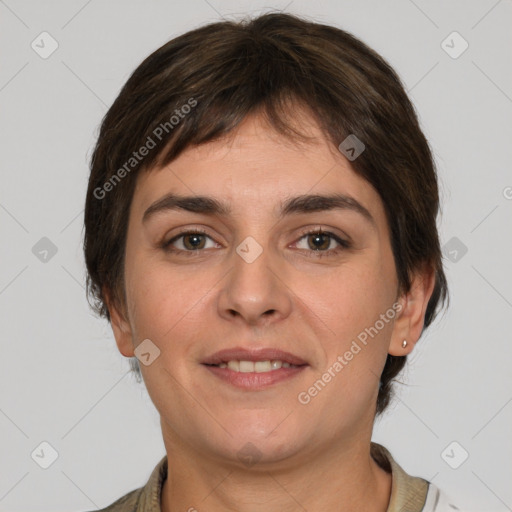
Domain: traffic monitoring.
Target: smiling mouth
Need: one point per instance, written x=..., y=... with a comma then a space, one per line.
x=242, y=366
x=255, y=375
x=254, y=369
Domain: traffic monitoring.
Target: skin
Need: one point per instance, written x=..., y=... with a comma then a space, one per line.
x=316, y=455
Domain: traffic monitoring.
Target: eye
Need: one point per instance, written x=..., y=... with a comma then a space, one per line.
x=188, y=242
x=317, y=241
x=320, y=242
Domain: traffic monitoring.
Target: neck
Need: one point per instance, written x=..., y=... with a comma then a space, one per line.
x=340, y=479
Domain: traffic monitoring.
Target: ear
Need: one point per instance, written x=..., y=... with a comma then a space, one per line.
x=120, y=325
x=410, y=318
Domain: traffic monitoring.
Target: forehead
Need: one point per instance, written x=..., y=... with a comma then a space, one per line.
x=254, y=166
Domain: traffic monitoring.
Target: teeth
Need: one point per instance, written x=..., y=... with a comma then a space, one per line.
x=234, y=365
x=246, y=366
x=257, y=367
x=262, y=366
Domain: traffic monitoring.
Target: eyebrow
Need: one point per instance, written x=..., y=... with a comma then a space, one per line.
x=307, y=203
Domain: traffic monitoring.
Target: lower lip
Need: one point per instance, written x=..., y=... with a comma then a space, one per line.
x=253, y=380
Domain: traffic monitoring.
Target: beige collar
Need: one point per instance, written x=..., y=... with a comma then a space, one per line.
x=407, y=492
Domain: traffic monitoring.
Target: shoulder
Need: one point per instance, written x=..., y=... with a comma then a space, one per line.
x=145, y=498
x=438, y=501
x=409, y=492
x=127, y=503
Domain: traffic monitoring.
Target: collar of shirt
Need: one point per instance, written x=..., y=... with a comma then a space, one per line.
x=407, y=492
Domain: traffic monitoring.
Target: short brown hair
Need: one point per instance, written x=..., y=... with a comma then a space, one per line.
x=227, y=70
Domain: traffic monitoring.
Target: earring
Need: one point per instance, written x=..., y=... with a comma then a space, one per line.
x=404, y=343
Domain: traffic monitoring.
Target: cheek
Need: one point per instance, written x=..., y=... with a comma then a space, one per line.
x=153, y=296
x=347, y=298
x=347, y=306
x=167, y=304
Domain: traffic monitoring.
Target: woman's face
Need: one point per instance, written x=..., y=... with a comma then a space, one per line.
x=255, y=283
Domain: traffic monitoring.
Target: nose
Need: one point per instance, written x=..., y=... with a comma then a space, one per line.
x=255, y=291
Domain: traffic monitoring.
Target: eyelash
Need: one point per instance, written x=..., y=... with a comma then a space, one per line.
x=167, y=245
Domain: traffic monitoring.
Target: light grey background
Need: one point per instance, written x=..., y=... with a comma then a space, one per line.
x=62, y=379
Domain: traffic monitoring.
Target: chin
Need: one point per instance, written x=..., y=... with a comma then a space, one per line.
x=261, y=441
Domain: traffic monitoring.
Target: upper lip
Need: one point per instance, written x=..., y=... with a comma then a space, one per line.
x=254, y=354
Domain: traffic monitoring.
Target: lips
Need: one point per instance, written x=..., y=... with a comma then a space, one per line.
x=255, y=355
x=254, y=369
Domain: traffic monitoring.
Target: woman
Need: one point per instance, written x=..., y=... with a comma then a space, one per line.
x=261, y=234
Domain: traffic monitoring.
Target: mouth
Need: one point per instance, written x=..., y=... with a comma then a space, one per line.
x=244, y=366
x=254, y=369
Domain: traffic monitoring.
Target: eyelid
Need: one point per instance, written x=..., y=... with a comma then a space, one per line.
x=344, y=243
x=342, y=238
x=165, y=245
